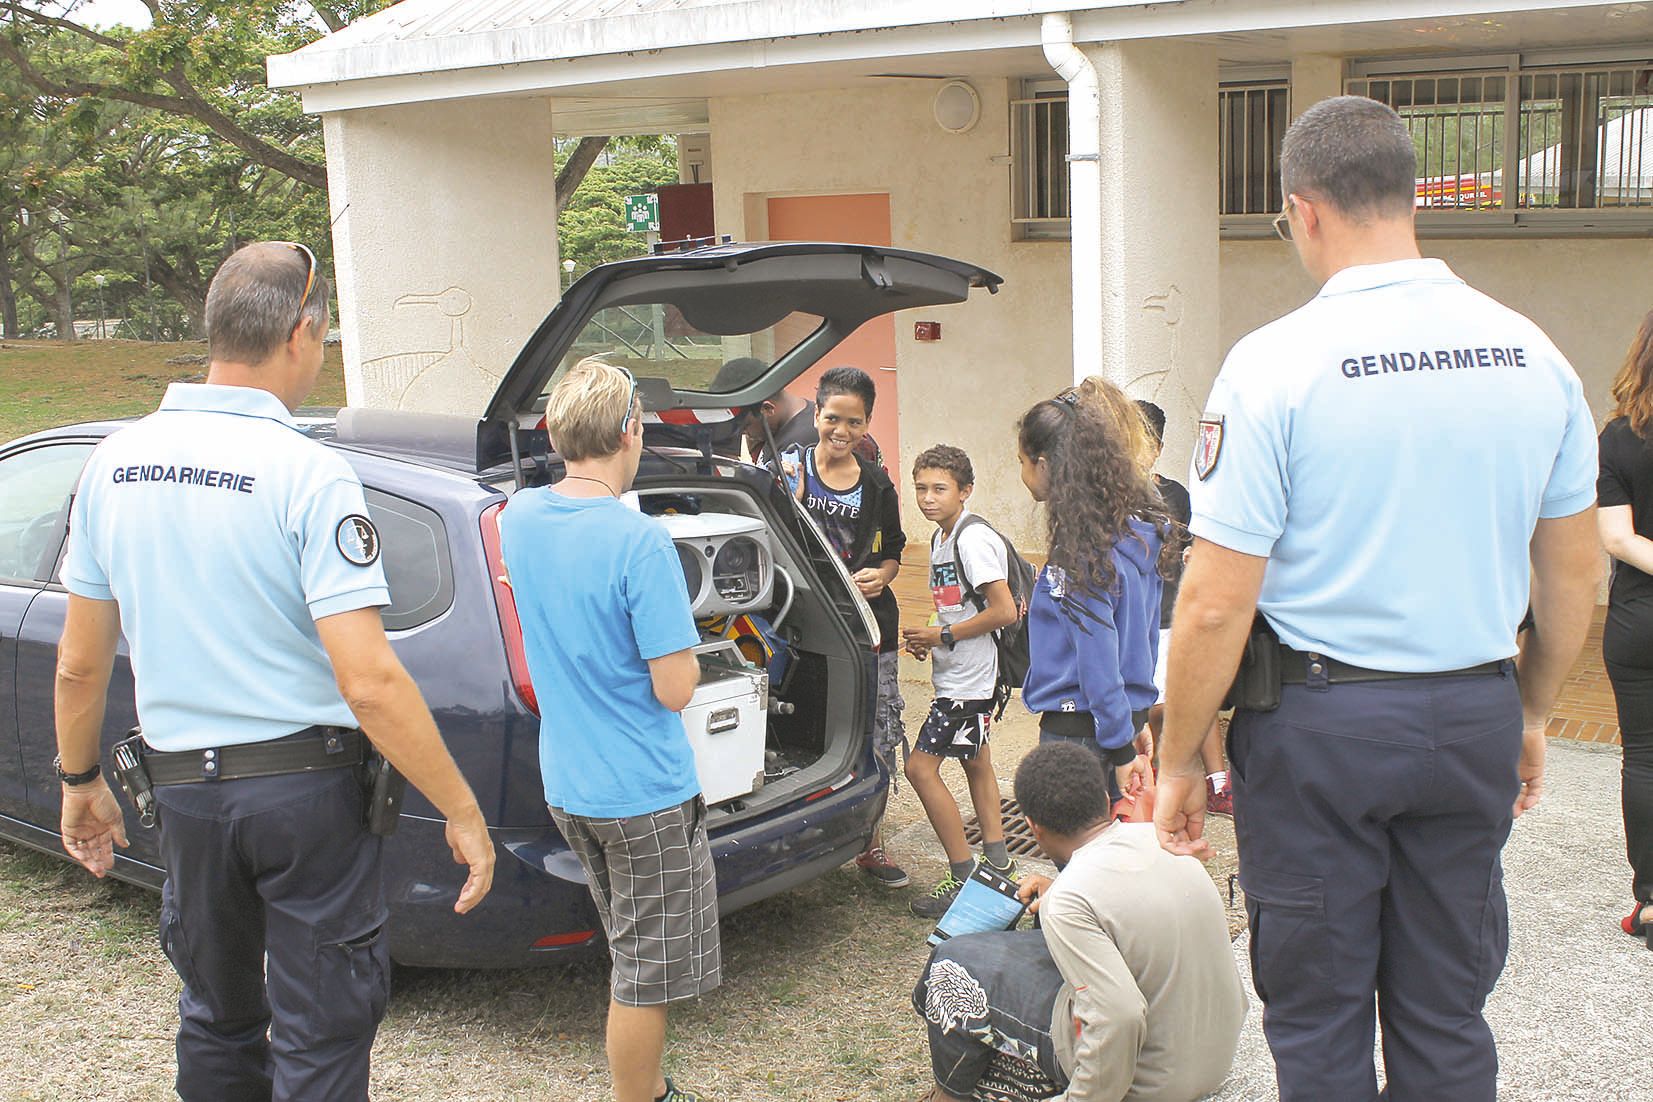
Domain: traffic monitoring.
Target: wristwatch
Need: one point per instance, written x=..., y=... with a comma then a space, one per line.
x=75, y=780
x=947, y=636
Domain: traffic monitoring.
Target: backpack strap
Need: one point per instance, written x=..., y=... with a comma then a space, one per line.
x=958, y=560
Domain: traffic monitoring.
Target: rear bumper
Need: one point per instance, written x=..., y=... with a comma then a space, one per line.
x=540, y=895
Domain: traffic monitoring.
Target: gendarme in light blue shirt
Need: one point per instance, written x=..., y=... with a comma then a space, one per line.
x=600, y=592
x=1389, y=448
x=224, y=533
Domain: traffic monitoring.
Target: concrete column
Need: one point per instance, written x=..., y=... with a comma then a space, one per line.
x=1314, y=77
x=445, y=246
x=1155, y=310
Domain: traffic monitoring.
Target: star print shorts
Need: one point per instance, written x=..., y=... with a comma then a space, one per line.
x=956, y=728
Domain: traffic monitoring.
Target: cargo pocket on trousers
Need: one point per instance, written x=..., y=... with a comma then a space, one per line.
x=1290, y=945
x=176, y=946
x=353, y=978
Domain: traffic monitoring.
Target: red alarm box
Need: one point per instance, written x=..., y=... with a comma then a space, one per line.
x=926, y=330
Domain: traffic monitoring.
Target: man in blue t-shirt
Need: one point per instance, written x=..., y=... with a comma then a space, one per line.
x=609, y=634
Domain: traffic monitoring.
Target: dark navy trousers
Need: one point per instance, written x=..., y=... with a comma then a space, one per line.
x=274, y=873
x=1370, y=818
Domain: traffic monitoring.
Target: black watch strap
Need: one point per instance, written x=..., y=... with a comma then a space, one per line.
x=75, y=780
x=947, y=636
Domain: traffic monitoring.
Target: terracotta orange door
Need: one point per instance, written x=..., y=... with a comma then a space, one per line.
x=861, y=220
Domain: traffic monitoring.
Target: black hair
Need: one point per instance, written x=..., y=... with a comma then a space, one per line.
x=742, y=371
x=1354, y=153
x=1155, y=417
x=1061, y=787
x=846, y=380
x=945, y=457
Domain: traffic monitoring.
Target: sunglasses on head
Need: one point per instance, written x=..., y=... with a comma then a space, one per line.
x=631, y=398
x=309, y=276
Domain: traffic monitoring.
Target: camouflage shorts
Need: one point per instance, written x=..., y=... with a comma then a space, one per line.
x=889, y=729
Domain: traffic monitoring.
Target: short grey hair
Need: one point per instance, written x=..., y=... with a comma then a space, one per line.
x=1354, y=153
x=253, y=303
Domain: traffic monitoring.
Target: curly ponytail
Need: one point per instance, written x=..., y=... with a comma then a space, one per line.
x=1096, y=487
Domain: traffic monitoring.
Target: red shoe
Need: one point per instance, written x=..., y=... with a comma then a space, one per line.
x=1219, y=800
x=1636, y=925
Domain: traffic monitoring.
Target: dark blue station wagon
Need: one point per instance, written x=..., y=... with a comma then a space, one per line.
x=435, y=486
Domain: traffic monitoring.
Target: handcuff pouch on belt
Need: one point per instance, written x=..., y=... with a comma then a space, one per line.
x=1256, y=686
x=133, y=776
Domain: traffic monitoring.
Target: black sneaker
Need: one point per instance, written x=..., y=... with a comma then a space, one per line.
x=675, y=1093
x=934, y=905
x=883, y=872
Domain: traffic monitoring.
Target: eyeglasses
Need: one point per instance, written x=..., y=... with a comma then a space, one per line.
x=1069, y=396
x=309, y=277
x=1282, y=221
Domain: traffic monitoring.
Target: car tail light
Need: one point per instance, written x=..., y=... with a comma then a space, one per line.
x=564, y=941
x=510, y=628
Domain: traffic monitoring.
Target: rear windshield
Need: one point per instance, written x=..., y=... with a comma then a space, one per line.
x=656, y=340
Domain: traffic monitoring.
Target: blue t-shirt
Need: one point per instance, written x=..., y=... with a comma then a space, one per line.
x=224, y=534
x=1389, y=448
x=599, y=592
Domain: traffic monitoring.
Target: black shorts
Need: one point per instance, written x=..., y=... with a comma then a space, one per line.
x=955, y=728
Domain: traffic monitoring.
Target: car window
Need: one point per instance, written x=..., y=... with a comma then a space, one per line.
x=658, y=340
x=36, y=487
x=415, y=555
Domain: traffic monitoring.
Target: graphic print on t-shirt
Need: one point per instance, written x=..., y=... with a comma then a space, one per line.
x=946, y=587
x=836, y=511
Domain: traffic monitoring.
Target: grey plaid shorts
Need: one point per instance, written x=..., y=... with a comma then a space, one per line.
x=652, y=879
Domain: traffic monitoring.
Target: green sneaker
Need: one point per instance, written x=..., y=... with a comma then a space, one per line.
x=941, y=897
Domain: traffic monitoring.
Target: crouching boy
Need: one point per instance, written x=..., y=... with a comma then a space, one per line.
x=1128, y=991
x=608, y=632
x=968, y=568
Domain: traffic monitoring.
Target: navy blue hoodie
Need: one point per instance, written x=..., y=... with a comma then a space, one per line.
x=1098, y=656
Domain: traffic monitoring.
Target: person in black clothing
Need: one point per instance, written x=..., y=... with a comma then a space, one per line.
x=1219, y=800
x=1625, y=517
x=855, y=504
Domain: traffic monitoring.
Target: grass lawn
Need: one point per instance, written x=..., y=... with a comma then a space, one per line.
x=46, y=383
x=815, y=1003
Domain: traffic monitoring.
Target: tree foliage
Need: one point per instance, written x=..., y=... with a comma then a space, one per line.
x=132, y=161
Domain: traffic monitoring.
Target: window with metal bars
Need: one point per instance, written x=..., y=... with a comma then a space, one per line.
x=1251, y=123
x=1039, y=160
x=1518, y=143
x=1252, y=119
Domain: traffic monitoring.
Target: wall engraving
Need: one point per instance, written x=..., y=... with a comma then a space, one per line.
x=447, y=380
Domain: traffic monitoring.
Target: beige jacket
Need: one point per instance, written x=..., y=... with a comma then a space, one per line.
x=1152, y=1007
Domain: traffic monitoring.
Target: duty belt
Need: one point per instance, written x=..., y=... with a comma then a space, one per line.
x=307, y=751
x=1309, y=668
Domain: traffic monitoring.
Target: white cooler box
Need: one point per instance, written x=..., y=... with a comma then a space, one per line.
x=727, y=721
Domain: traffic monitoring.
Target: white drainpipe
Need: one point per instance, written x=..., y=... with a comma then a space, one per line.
x=1085, y=189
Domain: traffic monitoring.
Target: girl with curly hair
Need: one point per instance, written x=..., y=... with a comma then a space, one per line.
x=1093, y=620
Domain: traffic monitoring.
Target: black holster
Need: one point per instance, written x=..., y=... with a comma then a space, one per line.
x=1256, y=686
x=382, y=791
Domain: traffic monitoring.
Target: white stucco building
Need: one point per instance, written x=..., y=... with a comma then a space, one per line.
x=1113, y=161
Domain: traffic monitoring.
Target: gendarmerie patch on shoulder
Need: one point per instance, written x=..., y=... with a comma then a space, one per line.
x=358, y=540
x=1209, y=447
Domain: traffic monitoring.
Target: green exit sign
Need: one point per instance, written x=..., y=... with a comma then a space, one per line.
x=643, y=213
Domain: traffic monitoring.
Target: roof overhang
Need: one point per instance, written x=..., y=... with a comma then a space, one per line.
x=406, y=54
